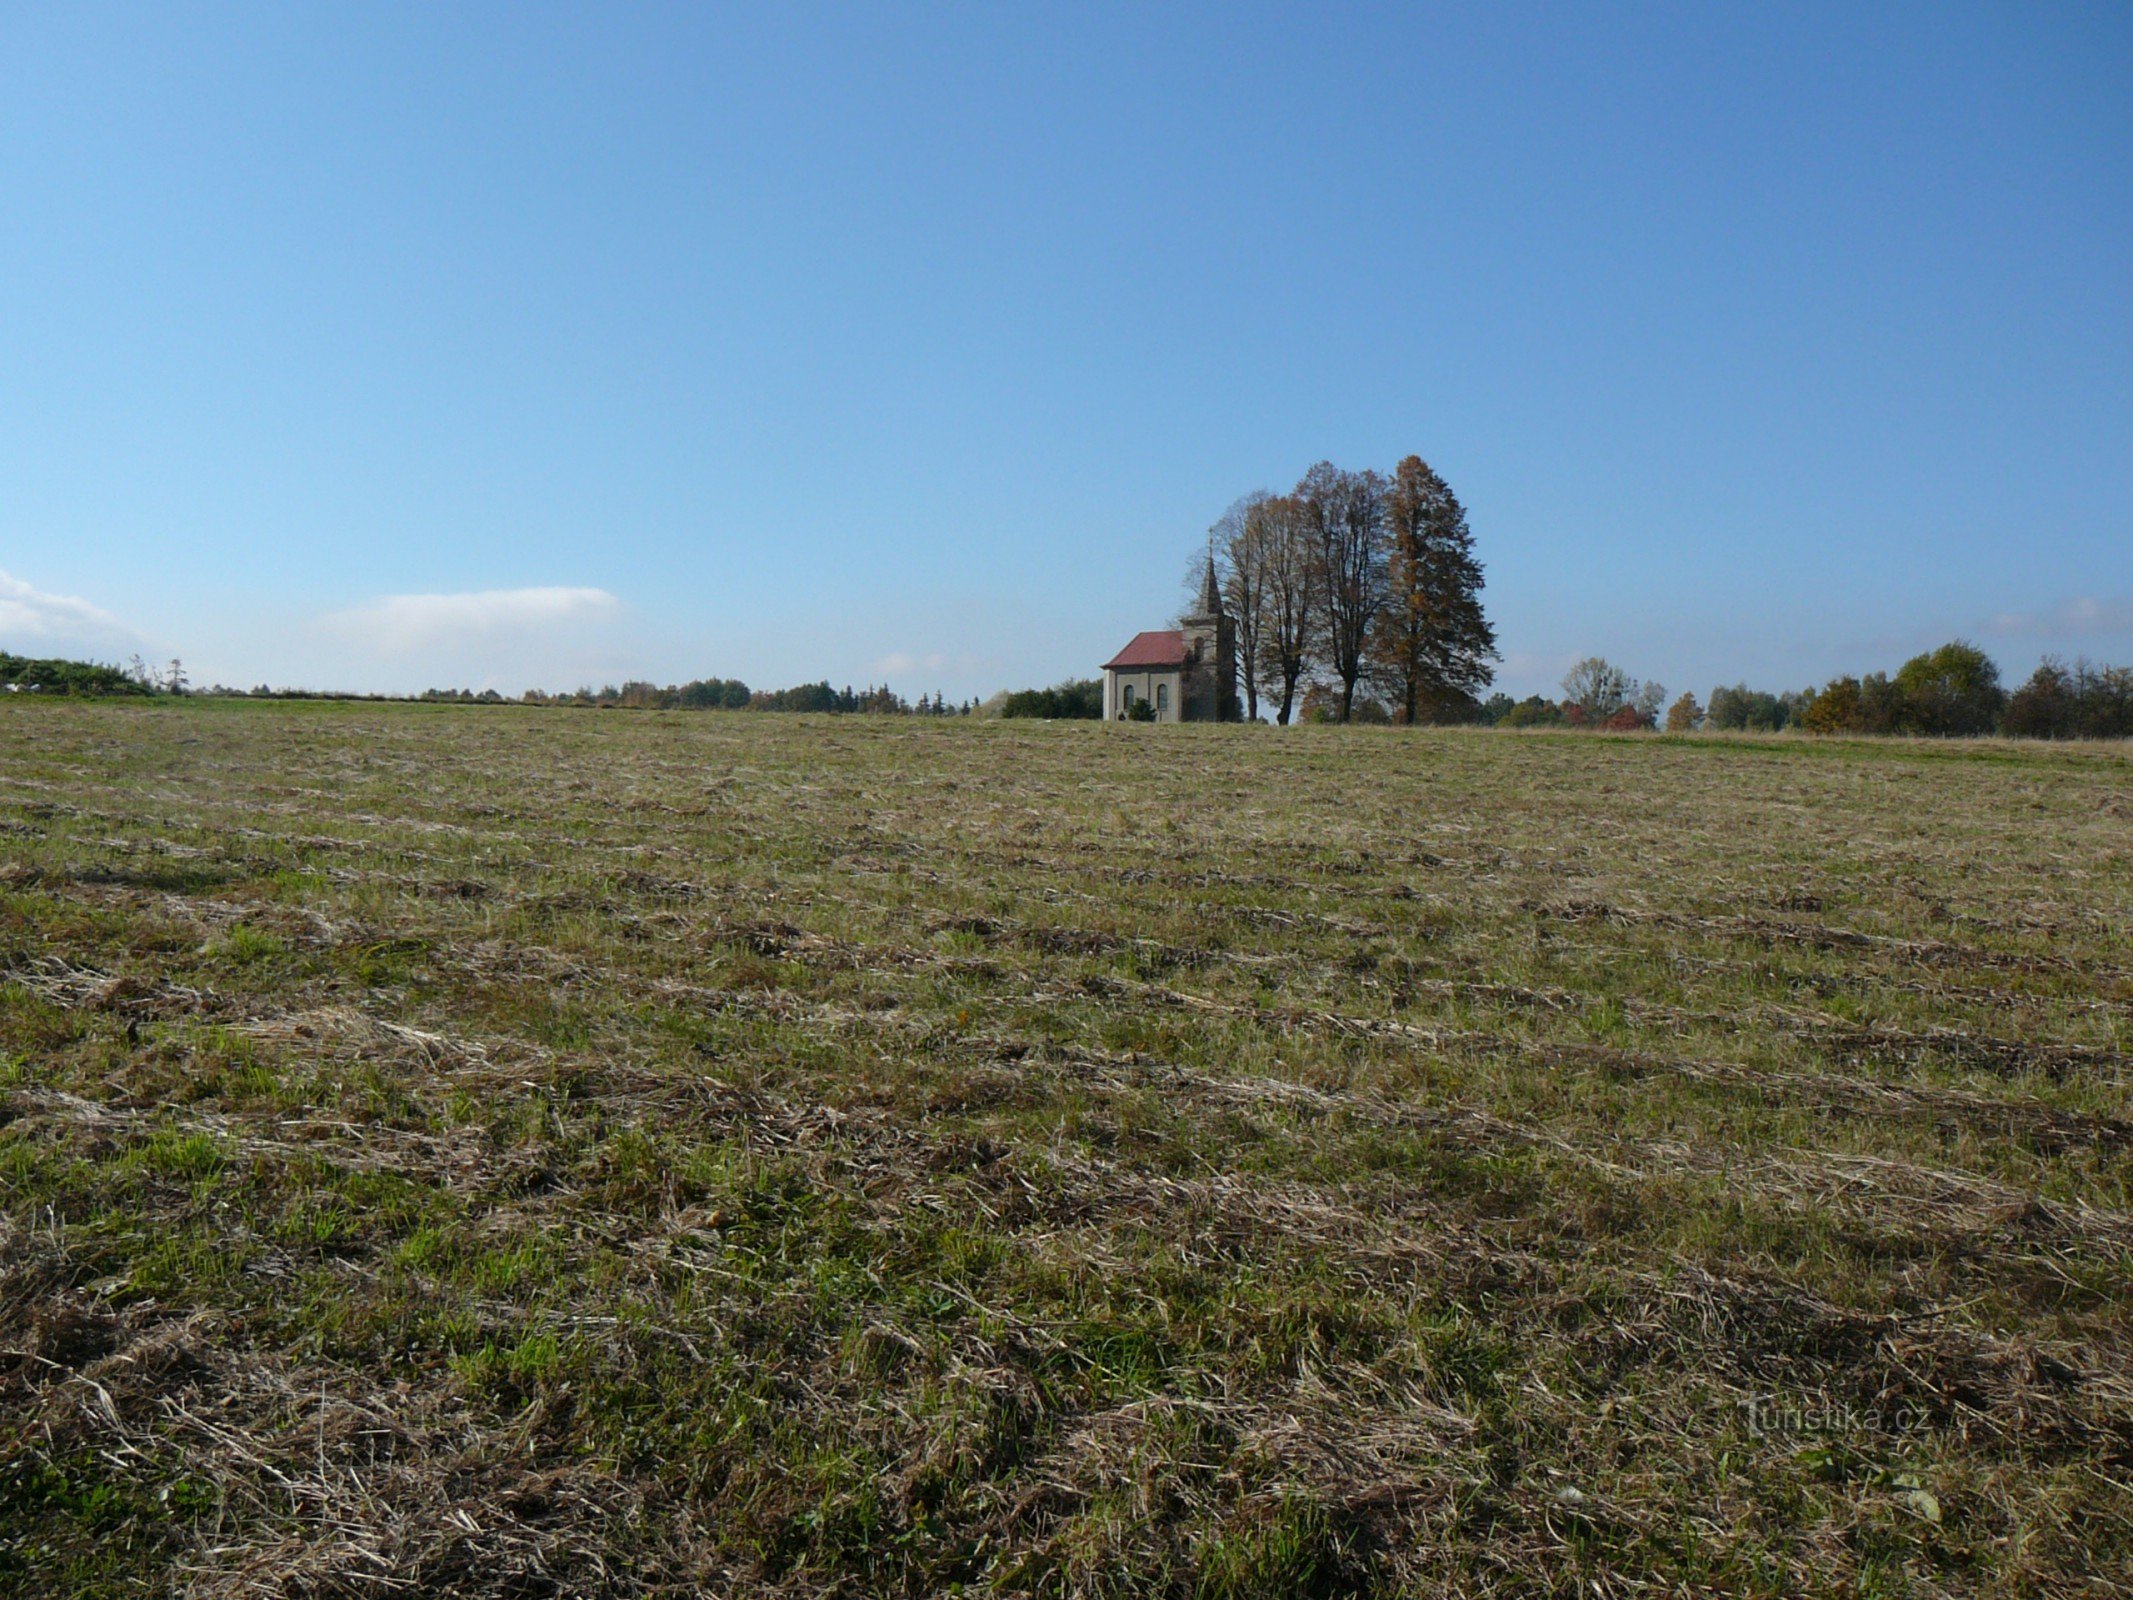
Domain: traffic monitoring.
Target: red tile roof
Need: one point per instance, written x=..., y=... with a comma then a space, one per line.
x=1163, y=648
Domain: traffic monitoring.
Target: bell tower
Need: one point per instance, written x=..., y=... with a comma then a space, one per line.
x=1210, y=688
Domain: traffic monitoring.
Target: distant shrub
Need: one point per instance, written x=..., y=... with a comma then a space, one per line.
x=1322, y=703
x=1448, y=708
x=53, y=676
x=1742, y=709
x=802, y=697
x=1532, y=712
x=1075, y=698
x=820, y=697
x=712, y=694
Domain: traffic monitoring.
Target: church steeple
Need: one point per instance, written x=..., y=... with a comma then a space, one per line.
x=1210, y=591
x=1211, y=654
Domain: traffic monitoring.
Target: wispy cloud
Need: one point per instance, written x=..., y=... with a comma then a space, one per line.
x=402, y=624
x=31, y=620
x=904, y=664
x=899, y=663
x=2084, y=616
x=1536, y=671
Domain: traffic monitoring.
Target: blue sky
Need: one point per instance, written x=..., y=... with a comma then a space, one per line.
x=380, y=346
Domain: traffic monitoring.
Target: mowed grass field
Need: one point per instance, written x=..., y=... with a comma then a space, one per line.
x=513, y=1152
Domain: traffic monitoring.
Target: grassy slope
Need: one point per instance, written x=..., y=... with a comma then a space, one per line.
x=528, y=1152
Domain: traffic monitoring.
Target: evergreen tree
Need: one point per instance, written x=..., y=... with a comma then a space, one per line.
x=1431, y=646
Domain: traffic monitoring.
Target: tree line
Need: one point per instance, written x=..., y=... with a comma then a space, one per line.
x=1420, y=640
x=731, y=694
x=700, y=694
x=1597, y=694
x=1953, y=691
x=1363, y=584
x=1075, y=698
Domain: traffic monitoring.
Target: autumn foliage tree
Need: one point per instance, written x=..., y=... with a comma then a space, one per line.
x=1837, y=707
x=1430, y=647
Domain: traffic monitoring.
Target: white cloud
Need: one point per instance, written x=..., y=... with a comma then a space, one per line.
x=404, y=624
x=35, y=623
x=2083, y=616
x=902, y=663
x=920, y=671
x=504, y=639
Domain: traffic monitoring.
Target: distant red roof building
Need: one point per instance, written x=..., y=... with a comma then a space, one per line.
x=1165, y=647
x=1182, y=674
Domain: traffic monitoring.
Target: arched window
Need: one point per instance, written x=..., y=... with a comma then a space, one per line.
x=1162, y=698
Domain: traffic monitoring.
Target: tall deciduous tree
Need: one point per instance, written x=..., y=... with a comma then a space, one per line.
x=1241, y=544
x=1598, y=689
x=1431, y=646
x=1952, y=690
x=1288, y=567
x=1347, y=521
